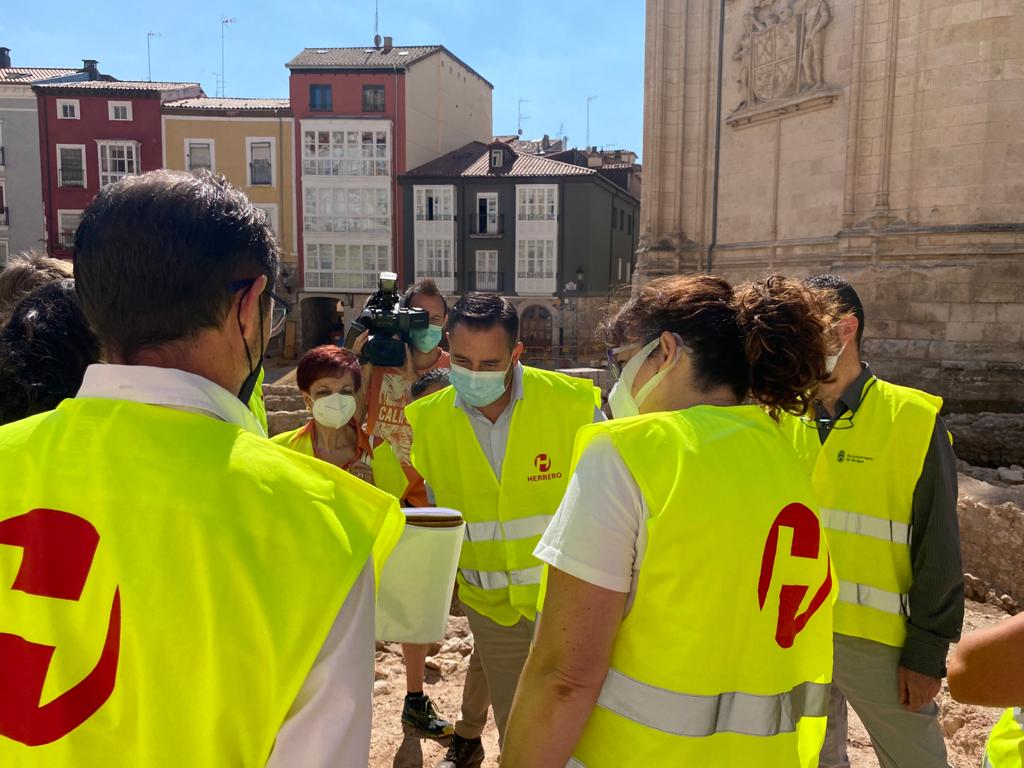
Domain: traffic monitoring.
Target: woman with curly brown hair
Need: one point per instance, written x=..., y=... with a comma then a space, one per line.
x=687, y=617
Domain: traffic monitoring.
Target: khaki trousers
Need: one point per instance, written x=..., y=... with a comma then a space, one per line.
x=499, y=654
x=866, y=674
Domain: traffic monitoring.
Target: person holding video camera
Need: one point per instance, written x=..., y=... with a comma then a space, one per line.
x=399, y=344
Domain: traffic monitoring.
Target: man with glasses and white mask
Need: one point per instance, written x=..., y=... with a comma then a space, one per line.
x=196, y=594
x=496, y=446
x=884, y=472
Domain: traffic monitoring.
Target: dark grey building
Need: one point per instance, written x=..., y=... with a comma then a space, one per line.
x=486, y=217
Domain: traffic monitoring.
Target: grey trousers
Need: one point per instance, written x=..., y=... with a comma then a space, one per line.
x=867, y=674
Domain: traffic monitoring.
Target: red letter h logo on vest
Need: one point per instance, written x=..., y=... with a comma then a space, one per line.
x=58, y=554
x=806, y=544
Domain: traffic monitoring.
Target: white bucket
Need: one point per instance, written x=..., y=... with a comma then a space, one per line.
x=416, y=585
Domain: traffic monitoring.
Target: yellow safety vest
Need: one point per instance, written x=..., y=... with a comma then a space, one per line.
x=498, y=575
x=387, y=471
x=865, y=478
x=183, y=574
x=1005, y=748
x=257, y=406
x=725, y=657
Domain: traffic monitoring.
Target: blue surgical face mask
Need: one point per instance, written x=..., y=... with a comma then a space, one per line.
x=478, y=388
x=426, y=339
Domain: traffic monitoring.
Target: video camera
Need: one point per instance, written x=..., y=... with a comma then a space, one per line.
x=388, y=323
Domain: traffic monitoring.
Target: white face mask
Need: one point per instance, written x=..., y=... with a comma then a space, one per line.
x=334, y=411
x=621, y=399
x=831, y=361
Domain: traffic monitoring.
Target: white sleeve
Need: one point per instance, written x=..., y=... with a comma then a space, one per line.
x=599, y=415
x=329, y=722
x=594, y=535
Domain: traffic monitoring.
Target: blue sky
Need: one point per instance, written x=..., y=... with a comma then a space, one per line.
x=553, y=53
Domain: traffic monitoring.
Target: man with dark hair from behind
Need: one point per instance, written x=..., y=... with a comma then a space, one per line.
x=44, y=351
x=224, y=584
x=496, y=446
x=430, y=382
x=884, y=471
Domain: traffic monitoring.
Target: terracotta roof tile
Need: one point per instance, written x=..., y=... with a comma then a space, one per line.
x=32, y=74
x=474, y=160
x=139, y=86
x=367, y=57
x=207, y=104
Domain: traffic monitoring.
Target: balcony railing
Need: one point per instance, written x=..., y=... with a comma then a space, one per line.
x=481, y=227
x=66, y=240
x=259, y=172
x=5, y=217
x=486, y=281
x=72, y=177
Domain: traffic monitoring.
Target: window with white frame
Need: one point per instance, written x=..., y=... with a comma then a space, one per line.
x=487, y=222
x=67, y=223
x=270, y=212
x=5, y=219
x=346, y=209
x=67, y=109
x=118, y=159
x=486, y=271
x=497, y=158
x=71, y=165
x=535, y=266
x=261, y=162
x=345, y=266
x=2, y=153
x=199, y=155
x=345, y=153
x=537, y=202
x=433, y=203
x=434, y=259
x=119, y=110
x=4, y=251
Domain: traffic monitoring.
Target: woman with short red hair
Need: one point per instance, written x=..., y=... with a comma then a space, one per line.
x=329, y=378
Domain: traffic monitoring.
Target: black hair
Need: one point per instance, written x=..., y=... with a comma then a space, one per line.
x=424, y=287
x=482, y=311
x=44, y=351
x=430, y=378
x=155, y=254
x=848, y=300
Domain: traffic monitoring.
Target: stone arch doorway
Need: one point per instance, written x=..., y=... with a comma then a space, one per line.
x=535, y=326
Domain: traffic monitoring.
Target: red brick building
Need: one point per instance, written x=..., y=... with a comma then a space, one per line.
x=93, y=133
x=364, y=116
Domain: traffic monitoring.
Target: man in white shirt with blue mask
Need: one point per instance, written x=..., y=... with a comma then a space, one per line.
x=497, y=446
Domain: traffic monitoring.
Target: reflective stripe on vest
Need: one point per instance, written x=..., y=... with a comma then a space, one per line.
x=866, y=525
x=495, y=530
x=503, y=579
x=683, y=714
x=873, y=597
x=1005, y=748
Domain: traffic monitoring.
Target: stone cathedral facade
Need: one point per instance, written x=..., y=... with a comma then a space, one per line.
x=882, y=140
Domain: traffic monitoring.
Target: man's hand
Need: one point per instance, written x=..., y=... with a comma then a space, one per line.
x=359, y=343
x=917, y=690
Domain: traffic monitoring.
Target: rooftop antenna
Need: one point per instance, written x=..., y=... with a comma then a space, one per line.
x=589, y=99
x=224, y=21
x=522, y=116
x=376, y=24
x=149, y=60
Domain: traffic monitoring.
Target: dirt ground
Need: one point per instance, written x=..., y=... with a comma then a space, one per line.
x=396, y=746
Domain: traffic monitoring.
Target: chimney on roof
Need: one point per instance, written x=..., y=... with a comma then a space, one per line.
x=5, y=58
x=545, y=143
x=389, y=44
x=91, y=68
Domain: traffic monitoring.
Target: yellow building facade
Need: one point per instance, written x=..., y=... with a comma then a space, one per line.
x=250, y=142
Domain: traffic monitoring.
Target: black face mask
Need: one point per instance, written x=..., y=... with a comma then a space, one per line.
x=249, y=385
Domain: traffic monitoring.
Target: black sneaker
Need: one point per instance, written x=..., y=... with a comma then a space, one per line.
x=463, y=753
x=419, y=712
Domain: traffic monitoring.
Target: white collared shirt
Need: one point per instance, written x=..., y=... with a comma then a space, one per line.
x=329, y=721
